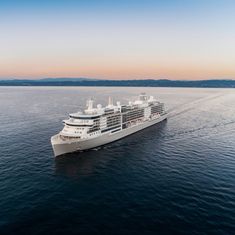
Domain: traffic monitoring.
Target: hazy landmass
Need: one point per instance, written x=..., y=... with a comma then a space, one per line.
x=214, y=83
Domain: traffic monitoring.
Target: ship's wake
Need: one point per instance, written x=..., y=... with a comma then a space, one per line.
x=182, y=108
x=223, y=126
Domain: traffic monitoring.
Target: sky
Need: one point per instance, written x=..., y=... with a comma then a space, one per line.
x=117, y=39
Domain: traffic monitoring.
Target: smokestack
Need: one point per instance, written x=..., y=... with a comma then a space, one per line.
x=90, y=104
x=110, y=101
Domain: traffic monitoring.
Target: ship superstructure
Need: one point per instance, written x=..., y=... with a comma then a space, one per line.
x=99, y=125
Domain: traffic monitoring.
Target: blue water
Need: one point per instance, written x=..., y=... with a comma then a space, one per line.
x=177, y=177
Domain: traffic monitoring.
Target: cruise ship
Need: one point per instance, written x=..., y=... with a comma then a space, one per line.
x=97, y=126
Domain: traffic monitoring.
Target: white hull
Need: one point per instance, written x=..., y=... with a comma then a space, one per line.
x=61, y=146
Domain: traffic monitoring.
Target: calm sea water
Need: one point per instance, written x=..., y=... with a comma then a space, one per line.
x=177, y=177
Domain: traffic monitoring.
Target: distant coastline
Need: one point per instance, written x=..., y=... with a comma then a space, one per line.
x=126, y=83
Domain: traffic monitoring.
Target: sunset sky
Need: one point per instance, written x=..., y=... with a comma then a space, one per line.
x=121, y=39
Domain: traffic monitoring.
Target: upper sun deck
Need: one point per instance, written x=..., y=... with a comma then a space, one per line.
x=96, y=112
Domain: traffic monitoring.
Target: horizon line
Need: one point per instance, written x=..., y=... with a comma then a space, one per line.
x=105, y=79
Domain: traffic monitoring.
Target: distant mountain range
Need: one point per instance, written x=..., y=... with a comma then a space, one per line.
x=66, y=79
x=132, y=83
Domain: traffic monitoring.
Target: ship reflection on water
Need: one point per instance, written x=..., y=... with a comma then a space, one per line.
x=80, y=164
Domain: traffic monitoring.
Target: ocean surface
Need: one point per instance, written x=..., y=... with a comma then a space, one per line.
x=177, y=177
